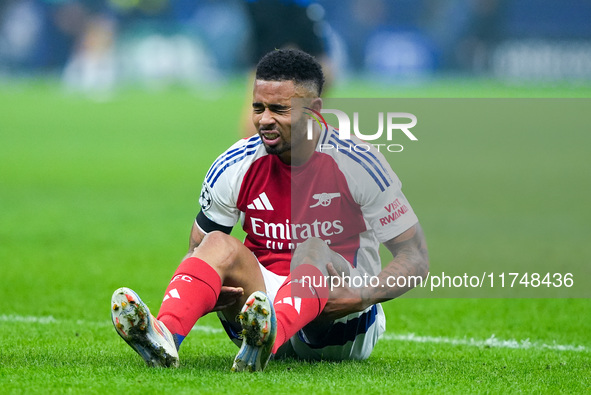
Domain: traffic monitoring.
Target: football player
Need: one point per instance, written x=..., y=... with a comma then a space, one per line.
x=310, y=216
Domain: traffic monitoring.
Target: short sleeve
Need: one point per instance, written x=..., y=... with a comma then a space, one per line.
x=389, y=213
x=218, y=212
x=221, y=187
x=384, y=206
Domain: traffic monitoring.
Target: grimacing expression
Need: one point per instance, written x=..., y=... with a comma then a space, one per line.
x=274, y=116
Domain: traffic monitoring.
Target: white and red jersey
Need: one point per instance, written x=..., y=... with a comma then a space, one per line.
x=352, y=200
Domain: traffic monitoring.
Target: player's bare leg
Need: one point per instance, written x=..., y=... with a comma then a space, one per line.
x=234, y=263
x=316, y=252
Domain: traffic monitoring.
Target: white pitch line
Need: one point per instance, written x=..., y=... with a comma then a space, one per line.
x=10, y=318
x=28, y=318
x=492, y=341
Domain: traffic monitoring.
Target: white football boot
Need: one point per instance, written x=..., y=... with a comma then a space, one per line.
x=259, y=329
x=145, y=334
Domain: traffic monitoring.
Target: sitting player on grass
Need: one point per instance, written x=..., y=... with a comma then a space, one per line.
x=309, y=215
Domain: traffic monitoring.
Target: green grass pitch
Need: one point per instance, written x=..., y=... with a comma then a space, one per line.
x=95, y=195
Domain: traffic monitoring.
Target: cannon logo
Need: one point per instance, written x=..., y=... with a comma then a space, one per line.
x=324, y=199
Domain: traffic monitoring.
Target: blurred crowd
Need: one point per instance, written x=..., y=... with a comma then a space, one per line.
x=98, y=43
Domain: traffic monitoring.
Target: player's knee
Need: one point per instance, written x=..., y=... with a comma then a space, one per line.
x=223, y=246
x=313, y=251
x=313, y=244
x=216, y=237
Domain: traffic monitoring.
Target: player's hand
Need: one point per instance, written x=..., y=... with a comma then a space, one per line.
x=343, y=300
x=228, y=297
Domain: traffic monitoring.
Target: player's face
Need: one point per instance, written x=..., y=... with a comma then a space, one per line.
x=273, y=115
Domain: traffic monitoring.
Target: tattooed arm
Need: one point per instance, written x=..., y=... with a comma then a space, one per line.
x=410, y=260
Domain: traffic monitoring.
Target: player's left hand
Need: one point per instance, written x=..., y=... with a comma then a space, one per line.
x=343, y=300
x=228, y=297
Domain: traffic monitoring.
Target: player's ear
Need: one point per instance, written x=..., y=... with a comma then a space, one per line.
x=316, y=104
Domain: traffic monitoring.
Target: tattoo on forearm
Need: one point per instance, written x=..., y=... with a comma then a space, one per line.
x=411, y=258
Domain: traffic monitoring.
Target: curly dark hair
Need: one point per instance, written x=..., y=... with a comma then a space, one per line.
x=291, y=65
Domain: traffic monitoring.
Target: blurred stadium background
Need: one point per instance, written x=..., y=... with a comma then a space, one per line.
x=97, y=45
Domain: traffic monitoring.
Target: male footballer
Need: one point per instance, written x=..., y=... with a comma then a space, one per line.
x=309, y=214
